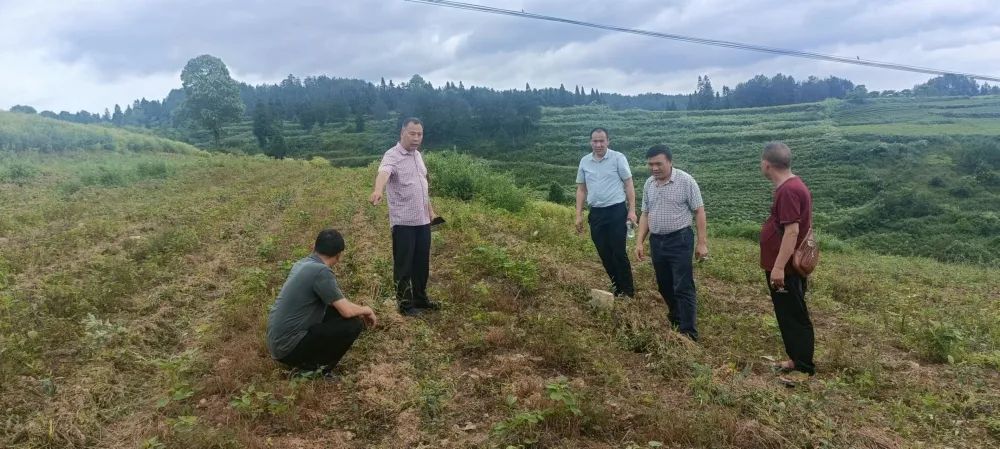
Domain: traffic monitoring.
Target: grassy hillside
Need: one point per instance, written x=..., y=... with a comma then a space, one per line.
x=21, y=132
x=132, y=315
x=901, y=176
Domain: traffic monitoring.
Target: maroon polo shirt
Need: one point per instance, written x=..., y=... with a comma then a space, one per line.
x=792, y=204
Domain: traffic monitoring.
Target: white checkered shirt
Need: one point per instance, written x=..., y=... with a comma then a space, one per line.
x=408, y=196
x=671, y=206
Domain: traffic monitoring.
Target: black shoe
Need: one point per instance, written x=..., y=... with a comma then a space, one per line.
x=313, y=373
x=406, y=308
x=427, y=305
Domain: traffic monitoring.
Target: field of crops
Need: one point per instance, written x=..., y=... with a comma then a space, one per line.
x=134, y=289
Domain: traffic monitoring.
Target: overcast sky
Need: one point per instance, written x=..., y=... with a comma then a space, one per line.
x=75, y=54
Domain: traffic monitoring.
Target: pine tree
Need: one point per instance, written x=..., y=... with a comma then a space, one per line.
x=118, y=118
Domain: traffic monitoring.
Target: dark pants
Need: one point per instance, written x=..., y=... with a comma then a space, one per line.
x=325, y=343
x=793, y=321
x=411, y=263
x=672, y=254
x=607, y=229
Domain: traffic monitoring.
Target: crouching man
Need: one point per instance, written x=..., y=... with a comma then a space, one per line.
x=312, y=324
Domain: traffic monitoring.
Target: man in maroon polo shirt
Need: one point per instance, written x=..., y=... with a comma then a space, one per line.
x=784, y=230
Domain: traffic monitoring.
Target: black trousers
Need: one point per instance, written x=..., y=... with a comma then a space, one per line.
x=325, y=343
x=793, y=320
x=607, y=230
x=411, y=263
x=672, y=254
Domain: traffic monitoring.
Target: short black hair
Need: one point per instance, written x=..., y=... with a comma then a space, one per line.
x=329, y=242
x=603, y=130
x=407, y=121
x=657, y=150
x=777, y=154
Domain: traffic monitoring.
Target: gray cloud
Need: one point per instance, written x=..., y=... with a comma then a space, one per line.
x=75, y=54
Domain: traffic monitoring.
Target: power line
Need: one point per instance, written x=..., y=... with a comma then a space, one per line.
x=703, y=41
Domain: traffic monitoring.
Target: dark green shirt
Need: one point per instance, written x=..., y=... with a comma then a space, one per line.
x=303, y=301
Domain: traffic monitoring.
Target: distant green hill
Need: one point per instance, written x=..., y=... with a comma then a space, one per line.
x=20, y=132
x=902, y=176
x=337, y=141
x=908, y=176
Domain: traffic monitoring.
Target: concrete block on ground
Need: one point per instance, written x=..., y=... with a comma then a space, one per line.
x=601, y=299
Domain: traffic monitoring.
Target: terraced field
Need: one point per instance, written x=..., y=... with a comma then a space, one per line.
x=862, y=162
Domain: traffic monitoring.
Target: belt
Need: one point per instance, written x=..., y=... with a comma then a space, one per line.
x=608, y=207
x=669, y=234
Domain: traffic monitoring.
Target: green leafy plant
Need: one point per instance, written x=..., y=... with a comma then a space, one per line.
x=153, y=443
x=940, y=342
x=524, y=273
x=255, y=403
x=176, y=370
x=560, y=392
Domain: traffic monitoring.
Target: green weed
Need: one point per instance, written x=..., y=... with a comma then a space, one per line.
x=939, y=342
x=524, y=274
x=253, y=403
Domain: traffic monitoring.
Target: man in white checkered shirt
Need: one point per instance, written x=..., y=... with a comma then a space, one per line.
x=671, y=201
x=403, y=176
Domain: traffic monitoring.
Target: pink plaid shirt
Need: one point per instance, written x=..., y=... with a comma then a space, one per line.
x=408, y=197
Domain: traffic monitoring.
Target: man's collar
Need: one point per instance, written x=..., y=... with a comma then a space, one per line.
x=594, y=158
x=403, y=150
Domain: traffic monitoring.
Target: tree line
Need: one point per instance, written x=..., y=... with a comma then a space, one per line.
x=210, y=99
x=780, y=89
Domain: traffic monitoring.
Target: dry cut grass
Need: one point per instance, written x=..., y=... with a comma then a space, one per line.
x=132, y=315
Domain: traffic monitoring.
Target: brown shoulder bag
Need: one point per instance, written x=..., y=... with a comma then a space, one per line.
x=806, y=256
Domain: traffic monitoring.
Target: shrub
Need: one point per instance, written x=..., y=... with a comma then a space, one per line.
x=964, y=189
x=939, y=342
x=556, y=193
x=466, y=178
x=319, y=162
x=153, y=169
x=908, y=203
x=18, y=173
x=106, y=177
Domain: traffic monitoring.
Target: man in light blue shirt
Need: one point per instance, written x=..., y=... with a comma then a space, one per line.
x=604, y=181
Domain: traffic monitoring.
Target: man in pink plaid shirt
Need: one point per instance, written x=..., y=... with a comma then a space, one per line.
x=403, y=175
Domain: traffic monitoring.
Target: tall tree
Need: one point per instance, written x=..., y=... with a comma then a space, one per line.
x=705, y=95
x=118, y=118
x=212, y=97
x=267, y=130
x=263, y=124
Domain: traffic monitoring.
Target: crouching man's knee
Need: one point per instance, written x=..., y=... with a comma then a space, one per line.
x=355, y=326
